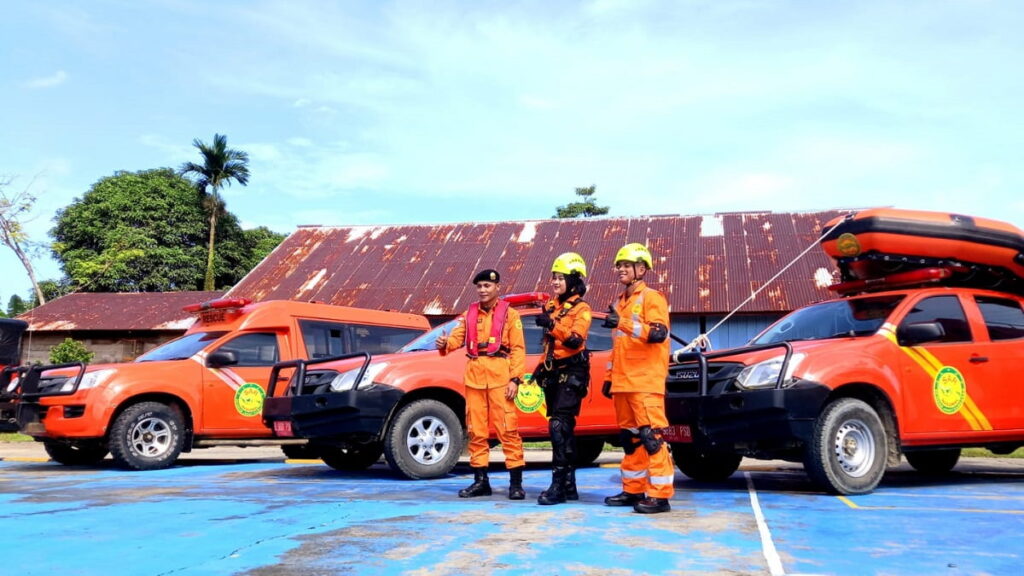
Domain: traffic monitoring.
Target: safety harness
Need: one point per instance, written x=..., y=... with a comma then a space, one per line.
x=493, y=345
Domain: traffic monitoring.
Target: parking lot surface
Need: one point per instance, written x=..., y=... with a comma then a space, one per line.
x=265, y=516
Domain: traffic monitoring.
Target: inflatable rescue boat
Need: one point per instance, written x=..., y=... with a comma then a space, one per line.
x=872, y=244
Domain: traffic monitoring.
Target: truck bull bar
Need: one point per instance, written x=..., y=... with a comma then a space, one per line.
x=300, y=371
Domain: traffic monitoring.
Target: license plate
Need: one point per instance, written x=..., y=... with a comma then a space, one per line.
x=283, y=428
x=677, y=433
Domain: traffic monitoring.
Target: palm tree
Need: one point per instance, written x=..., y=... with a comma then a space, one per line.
x=220, y=166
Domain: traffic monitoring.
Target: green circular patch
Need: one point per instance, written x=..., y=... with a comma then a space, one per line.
x=249, y=399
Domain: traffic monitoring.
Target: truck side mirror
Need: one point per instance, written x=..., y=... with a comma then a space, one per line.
x=221, y=358
x=920, y=333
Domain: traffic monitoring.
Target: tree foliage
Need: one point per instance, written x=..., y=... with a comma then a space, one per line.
x=221, y=165
x=16, y=305
x=70, y=351
x=582, y=208
x=146, y=232
x=14, y=208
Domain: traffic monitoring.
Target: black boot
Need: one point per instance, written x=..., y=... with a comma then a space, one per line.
x=515, y=484
x=481, y=486
x=623, y=499
x=555, y=494
x=652, y=506
x=570, y=485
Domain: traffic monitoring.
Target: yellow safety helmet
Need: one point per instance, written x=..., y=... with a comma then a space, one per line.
x=568, y=263
x=635, y=252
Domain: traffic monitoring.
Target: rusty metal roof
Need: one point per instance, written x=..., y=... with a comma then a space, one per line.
x=704, y=264
x=105, y=311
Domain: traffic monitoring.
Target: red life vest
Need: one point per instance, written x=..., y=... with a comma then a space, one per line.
x=493, y=345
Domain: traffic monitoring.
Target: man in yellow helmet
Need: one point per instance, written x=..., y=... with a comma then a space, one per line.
x=636, y=381
x=565, y=371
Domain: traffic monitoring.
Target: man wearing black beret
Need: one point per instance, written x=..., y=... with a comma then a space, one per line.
x=492, y=333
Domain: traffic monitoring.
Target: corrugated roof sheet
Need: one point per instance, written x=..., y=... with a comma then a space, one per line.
x=105, y=311
x=704, y=264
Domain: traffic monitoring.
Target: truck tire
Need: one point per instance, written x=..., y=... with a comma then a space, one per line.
x=84, y=453
x=847, y=452
x=588, y=449
x=147, y=436
x=933, y=461
x=350, y=457
x=425, y=440
x=705, y=466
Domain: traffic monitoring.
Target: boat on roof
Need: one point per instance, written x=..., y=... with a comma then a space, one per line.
x=870, y=244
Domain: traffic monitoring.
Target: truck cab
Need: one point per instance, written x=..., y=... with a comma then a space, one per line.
x=203, y=389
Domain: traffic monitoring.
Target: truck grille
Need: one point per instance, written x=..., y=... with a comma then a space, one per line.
x=685, y=378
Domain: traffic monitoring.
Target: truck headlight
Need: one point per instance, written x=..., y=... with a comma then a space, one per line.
x=766, y=374
x=347, y=380
x=90, y=379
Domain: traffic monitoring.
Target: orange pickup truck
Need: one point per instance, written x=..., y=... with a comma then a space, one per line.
x=410, y=407
x=204, y=389
x=919, y=358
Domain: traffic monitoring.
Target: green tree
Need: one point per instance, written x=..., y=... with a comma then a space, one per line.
x=145, y=232
x=16, y=305
x=70, y=351
x=13, y=210
x=583, y=208
x=221, y=165
x=53, y=289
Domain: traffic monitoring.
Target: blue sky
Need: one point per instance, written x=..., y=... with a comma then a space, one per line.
x=369, y=112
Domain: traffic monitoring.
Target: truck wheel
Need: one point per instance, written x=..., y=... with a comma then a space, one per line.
x=847, y=452
x=705, y=466
x=147, y=436
x=424, y=440
x=85, y=453
x=588, y=449
x=933, y=461
x=349, y=457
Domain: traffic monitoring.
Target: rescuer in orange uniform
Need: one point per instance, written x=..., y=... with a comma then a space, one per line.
x=565, y=371
x=636, y=381
x=492, y=332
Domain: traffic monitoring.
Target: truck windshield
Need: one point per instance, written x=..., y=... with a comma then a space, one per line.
x=834, y=319
x=182, y=348
x=426, y=342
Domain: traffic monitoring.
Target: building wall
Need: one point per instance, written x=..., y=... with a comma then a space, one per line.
x=107, y=346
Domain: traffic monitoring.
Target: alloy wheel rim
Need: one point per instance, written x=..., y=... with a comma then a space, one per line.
x=428, y=440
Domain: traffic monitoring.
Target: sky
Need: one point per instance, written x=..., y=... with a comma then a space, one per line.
x=385, y=112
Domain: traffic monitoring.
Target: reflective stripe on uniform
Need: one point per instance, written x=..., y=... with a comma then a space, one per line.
x=661, y=480
x=634, y=474
x=639, y=305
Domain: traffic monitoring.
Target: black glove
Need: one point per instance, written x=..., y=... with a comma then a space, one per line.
x=612, y=320
x=544, y=321
x=606, y=389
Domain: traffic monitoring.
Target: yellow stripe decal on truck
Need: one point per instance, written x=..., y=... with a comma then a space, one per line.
x=933, y=367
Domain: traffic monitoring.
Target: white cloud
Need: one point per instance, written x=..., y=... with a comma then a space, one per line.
x=56, y=79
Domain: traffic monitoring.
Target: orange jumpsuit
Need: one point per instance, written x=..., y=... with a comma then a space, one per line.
x=638, y=371
x=485, y=379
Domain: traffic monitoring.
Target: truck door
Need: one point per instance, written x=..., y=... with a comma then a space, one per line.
x=942, y=389
x=999, y=360
x=233, y=395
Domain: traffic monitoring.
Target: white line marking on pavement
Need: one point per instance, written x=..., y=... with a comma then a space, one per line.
x=767, y=546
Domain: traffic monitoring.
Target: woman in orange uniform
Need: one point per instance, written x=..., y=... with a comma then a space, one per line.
x=565, y=371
